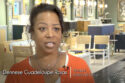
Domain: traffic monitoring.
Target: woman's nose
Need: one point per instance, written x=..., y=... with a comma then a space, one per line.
x=49, y=33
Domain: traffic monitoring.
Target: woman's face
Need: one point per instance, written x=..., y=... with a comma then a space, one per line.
x=47, y=32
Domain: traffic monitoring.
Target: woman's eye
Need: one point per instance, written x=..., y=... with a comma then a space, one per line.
x=56, y=29
x=42, y=29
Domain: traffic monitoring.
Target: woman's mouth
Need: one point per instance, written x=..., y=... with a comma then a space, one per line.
x=49, y=44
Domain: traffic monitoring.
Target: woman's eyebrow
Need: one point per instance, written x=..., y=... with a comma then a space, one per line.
x=55, y=24
x=42, y=23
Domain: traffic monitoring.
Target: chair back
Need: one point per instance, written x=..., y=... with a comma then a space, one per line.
x=73, y=33
x=103, y=42
x=73, y=42
x=2, y=35
x=83, y=40
x=7, y=46
x=101, y=39
x=1, y=55
x=21, y=52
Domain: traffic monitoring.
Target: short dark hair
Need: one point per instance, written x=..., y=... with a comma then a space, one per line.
x=43, y=8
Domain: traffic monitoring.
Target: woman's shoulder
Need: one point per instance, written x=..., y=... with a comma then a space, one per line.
x=24, y=64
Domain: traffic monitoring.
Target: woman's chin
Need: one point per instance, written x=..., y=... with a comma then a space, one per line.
x=47, y=49
x=50, y=50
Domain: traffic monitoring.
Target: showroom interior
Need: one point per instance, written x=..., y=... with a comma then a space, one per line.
x=86, y=22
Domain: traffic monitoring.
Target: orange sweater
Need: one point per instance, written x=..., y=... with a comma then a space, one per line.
x=78, y=72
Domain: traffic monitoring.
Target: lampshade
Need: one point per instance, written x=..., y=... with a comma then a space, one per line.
x=95, y=3
x=76, y=2
x=82, y=2
x=101, y=5
x=89, y=3
x=106, y=5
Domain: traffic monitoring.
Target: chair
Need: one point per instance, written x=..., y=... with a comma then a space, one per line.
x=1, y=56
x=8, y=56
x=104, y=50
x=2, y=35
x=21, y=52
x=84, y=44
x=82, y=41
x=7, y=46
x=73, y=43
x=64, y=47
x=73, y=33
x=5, y=56
x=72, y=39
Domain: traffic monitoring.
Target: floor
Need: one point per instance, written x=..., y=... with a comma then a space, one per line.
x=95, y=67
x=113, y=72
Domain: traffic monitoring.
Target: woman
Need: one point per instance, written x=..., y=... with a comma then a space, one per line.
x=49, y=65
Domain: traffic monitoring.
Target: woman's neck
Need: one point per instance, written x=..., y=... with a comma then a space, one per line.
x=48, y=60
x=44, y=56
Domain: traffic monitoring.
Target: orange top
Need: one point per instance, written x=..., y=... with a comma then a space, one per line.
x=77, y=72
